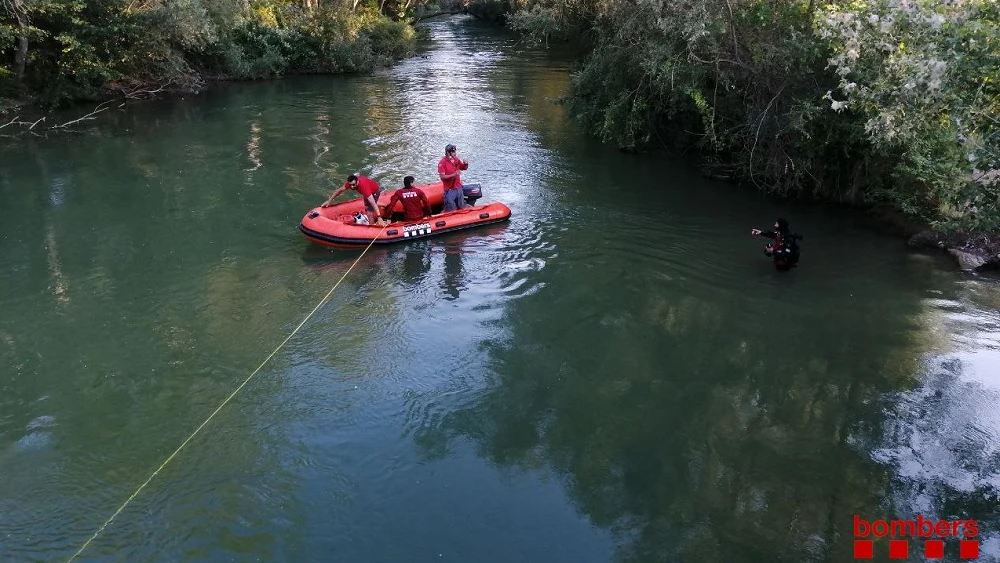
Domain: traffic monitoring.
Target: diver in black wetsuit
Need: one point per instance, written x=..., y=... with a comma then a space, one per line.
x=785, y=248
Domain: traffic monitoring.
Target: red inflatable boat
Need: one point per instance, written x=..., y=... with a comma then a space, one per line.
x=335, y=225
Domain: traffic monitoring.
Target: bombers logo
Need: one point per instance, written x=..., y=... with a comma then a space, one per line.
x=901, y=531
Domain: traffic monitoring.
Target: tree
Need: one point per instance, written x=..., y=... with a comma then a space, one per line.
x=19, y=12
x=923, y=75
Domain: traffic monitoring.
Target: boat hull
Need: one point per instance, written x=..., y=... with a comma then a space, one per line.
x=334, y=226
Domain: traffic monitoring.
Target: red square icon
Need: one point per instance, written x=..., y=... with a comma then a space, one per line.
x=863, y=549
x=968, y=549
x=934, y=549
x=899, y=549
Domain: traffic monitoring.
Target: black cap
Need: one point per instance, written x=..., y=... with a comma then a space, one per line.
x=449, y=148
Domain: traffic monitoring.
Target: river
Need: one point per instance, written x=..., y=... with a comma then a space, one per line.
x=617, y=374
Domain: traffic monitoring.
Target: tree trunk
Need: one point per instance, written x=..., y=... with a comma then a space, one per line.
x=450, y=12
x=21, y=56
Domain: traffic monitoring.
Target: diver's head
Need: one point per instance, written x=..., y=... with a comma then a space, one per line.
x=781, y=225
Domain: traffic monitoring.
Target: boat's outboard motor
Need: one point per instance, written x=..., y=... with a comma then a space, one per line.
x=472, y=192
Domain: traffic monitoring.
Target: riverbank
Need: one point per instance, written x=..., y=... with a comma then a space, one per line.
x=273, y=43
x=806, y=100
x=133, y=89
x=58, y=54
x=972, y=252
x=257, y=49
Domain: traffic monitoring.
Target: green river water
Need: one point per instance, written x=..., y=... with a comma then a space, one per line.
x=616, y=374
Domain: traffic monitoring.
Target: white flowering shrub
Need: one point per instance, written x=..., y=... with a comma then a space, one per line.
x=924, y=75
x=861, y=101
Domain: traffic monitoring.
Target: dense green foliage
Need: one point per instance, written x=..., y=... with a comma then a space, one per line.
x=886, y=101
x=867, y=101
x=65, y=50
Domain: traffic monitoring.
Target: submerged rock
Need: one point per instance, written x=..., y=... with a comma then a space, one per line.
x=972, y=252
x=969, y=260
x=927, y=239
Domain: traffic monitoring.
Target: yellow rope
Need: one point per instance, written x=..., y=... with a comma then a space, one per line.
x=223, y=404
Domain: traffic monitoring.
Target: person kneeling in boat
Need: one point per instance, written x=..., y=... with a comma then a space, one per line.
x=415, y=204
x=784, y=249
x=368, y=188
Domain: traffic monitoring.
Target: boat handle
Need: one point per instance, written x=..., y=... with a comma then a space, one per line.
x=314, y=215
x=439, y=224
x=392, y=232
x=484, y=215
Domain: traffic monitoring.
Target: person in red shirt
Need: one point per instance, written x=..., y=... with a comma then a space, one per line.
x=368, y=188
x=415, y=204
x=449, y=169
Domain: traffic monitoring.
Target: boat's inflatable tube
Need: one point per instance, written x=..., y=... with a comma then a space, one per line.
x=335, y=225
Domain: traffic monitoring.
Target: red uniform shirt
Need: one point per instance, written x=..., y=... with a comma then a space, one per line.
x=415, y=203
x=366, y=186
x=446, y=166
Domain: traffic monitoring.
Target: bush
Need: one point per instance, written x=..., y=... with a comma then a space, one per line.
x=79, y=48
x=490, y=10
x=866, y=102
x=538, y=24
x=389, y=39
x=923, y=76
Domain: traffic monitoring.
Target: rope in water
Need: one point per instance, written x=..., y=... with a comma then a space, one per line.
x=223, y=404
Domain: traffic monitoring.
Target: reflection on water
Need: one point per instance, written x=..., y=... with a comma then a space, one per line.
x=452, y=278
x=416, y=264
x=942, y=438
x=253, y=147
x=59, y=285
x=712, y=436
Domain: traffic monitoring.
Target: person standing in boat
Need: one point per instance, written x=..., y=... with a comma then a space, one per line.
x=784, y=249
x=368, y=188
x=449, y=169
x=415, y=204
